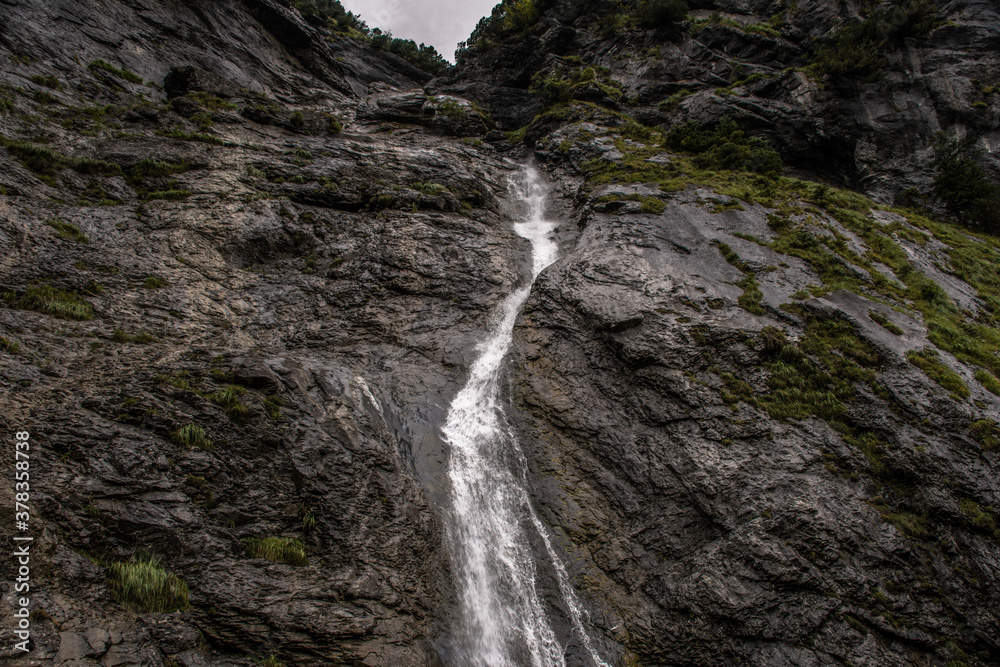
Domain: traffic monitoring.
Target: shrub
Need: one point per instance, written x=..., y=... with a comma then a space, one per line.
x=154, y=282
x=660, y=13
x=278, y=550
x=144, y=585
x=520, y=15
x=859, y=50
x=856, y=52
x=51, y=301
x=962, y=185
x=192, y=435
x=425, y=57
x=725, y=146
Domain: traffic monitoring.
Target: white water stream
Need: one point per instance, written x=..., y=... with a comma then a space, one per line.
x=502, y=618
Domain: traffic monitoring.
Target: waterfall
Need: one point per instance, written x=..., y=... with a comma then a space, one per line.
x=502, y=620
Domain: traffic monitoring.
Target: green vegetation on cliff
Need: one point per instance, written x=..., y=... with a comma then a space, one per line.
x=341, y=21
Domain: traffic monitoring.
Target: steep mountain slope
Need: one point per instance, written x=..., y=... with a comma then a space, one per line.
x=247, y=262
x=762, y=409
x=203, y=287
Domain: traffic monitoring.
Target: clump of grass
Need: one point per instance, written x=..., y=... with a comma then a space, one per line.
x=986, y=433
x=272, y=661
x=67, y=231
x=51, y=301
x=989, y=381
x=308, y=518
x=102, y=65
x=45, y=97
x=815, y=377
x=278, y=550
x=874, y=449
x=750, y=299
x=154, y=282
x=653, y=205
x=228, y=398
x=38, y=159
x=906, y=523
x=180, y=380
x=930, y=363
x=98, y=167
x=884, y=322
x=211, y=102
x=10, y=346
x=192, y=435
x=47, y=162
x=144, y=585
x=169, y=195
x=978, y=517
x=272, y=407
x=152, y=168
x=221, y=375
x=46, y=80
x=671, y=102
x=143, y=338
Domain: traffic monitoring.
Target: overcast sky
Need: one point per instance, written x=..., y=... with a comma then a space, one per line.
x=441, y=23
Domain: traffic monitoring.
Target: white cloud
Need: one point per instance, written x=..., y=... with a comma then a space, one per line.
x=440, y=23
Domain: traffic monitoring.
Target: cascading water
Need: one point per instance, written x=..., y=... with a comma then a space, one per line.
x=503, y=622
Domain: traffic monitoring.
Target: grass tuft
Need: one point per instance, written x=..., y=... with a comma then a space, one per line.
x=986, y=433
x=930, y=363
x=228, y=399
x=67, y=231
x=102, y=65
x=192, y=435
x=278, y=550
x=51, y=301
x=144, y=585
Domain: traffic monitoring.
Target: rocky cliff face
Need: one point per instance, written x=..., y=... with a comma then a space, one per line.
x=247, y=262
